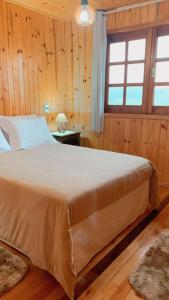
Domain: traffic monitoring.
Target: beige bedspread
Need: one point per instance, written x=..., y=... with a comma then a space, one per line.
x=44, y=192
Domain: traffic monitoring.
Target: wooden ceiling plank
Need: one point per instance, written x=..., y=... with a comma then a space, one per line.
x=65, y=9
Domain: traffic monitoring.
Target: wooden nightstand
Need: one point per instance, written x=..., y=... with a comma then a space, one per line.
x=68, y=137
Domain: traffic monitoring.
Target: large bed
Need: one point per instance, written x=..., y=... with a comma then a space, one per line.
x=61, y=205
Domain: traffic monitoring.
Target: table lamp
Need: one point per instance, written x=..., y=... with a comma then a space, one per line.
x=61, y=121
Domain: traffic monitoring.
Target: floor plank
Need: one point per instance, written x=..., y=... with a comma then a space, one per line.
x=111, y=284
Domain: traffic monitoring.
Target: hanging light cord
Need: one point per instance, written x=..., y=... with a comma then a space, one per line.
x=131, y=6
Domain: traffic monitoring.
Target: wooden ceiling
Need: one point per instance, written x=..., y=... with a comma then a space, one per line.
x=65, y=9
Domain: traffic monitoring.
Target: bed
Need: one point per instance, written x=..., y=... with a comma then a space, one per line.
x=61, y=205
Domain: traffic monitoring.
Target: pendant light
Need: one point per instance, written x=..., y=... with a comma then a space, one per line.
x=85, y=14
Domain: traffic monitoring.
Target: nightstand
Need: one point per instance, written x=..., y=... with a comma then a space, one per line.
x=67, y=137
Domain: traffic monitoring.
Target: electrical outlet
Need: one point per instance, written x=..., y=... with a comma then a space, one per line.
x=46, y=108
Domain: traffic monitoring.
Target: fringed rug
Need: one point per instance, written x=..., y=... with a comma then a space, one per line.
x=12, y=270
x=151, y=279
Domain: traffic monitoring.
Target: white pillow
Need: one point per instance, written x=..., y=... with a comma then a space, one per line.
x=26, y=133
x=7, y=127
x=4, y=146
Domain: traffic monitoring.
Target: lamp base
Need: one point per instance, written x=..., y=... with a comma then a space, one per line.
x=61, y=127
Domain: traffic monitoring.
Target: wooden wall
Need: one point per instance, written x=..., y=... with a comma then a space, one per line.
x=43, y=60
x=147, y=136
x=30, y=61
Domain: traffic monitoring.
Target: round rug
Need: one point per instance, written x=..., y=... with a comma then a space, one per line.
x=151, y=278
x=12, y=270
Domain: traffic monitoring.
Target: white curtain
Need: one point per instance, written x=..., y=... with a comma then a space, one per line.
x=98, y=72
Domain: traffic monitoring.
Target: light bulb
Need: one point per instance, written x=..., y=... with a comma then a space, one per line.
x=85, y=15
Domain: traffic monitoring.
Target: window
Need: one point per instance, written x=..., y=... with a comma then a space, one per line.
x=138, y=72
x=160, y=72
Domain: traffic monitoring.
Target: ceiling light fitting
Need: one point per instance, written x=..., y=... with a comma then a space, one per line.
x=85, y=14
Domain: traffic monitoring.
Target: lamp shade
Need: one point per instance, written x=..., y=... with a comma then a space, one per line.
x=85, y=14
x=61, y=118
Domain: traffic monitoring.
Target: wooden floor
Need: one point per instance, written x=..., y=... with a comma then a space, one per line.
x=111, y=284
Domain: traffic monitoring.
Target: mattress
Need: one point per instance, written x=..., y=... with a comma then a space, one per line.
x=50, y=195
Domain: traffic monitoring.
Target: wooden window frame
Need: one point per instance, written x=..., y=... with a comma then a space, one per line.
x=150, y=60
x=160, y=110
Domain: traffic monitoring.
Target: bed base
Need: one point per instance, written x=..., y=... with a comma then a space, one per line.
x=115, y=242
x=104, y=252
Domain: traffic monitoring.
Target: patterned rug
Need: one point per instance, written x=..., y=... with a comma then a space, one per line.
x=151, y=279
x=12, y=270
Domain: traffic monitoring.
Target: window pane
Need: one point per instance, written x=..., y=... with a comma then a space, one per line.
x=115, y=96
x=135, y=73
x=161, y=96
x=162, y=72
x=116, y=74
x=117, y=52
x=163, y=46
x=134, y=95
x=137, y=50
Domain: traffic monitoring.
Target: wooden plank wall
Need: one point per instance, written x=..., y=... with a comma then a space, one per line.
x=147, y=136
x=45, y=60
x=30, y=61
